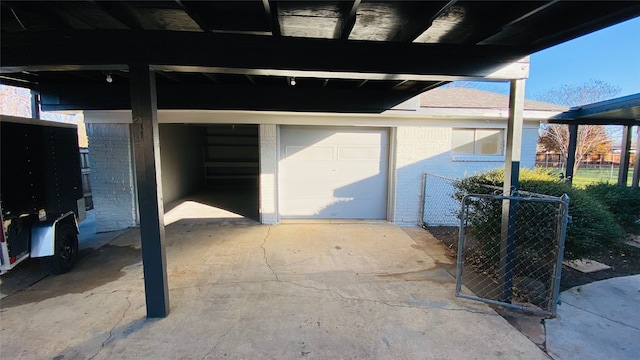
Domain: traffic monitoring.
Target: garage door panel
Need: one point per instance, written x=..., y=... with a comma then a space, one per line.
x=333, y=172
x=347, y=172
x=359, y=153
x=330, y=189
x=309, y=173
x=319, y=208
x=315, y=153
x=317, y=135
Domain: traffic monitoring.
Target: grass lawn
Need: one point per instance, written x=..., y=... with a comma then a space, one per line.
x=585, y=177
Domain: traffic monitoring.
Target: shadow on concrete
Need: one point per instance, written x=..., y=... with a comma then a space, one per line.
x=98, y=267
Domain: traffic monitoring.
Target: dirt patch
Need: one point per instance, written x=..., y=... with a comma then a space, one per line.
x=624, y=260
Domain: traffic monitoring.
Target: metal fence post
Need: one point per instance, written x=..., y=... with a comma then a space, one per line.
x=562, y=234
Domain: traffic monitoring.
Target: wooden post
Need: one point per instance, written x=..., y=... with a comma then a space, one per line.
x=146, y=147
x=625, y=155
x=511, y=184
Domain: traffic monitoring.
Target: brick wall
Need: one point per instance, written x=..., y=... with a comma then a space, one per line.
x=112, y=177
x=427, y=150
x=268, y=169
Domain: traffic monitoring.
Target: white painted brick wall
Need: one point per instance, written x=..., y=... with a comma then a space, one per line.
x=112, y=177
x=268, y=169
x=427, y=150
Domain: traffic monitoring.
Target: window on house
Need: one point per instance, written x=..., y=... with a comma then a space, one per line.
x=478, y=141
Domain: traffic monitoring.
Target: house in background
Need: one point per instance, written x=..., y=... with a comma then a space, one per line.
x=311, y=165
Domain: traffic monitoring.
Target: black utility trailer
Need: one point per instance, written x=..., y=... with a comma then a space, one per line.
x=40, y=193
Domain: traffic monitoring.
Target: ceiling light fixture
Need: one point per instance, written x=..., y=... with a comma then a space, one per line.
x=109, y=78
x=292, y=81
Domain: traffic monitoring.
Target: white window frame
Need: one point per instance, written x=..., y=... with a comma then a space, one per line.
x=475, y=156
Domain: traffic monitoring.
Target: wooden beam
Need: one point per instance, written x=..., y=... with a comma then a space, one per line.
x=211, y=77
x=345, y=24
x=194, y=16
x=103, y=96
x=122, y=12
x=271, y=11
x=50, y=14
x=400, y=83
x=170, y=76
x=488, y=39
x=146, y=148
x=15, y=16
x=240, y=53
x=415, y=28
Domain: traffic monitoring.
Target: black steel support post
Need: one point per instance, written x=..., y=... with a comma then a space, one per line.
x=636, y=164
x=571, y=152
x=625, y=155
x=146, y=147
x=511, y=183
x=35, y=105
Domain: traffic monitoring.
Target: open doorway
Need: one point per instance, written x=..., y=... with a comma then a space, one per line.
x=210, y=171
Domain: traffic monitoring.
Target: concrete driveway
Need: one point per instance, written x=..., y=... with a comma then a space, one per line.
x=239, y=291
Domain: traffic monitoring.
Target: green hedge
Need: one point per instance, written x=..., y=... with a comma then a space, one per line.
x=621, y=201
x=592, y=229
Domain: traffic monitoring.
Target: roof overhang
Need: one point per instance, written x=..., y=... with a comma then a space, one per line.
x=345, y=56
x=620, y=111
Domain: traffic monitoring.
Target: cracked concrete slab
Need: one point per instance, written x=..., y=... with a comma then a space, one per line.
x=317, y=291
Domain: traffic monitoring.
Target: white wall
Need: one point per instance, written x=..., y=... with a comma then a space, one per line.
x=422, y=145
x=268, y=135
x=112, y=176
x=424, y=149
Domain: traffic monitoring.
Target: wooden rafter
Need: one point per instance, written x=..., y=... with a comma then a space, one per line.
x=271, y=11
x=122, y=12
x=347, y=21
x=194, y=16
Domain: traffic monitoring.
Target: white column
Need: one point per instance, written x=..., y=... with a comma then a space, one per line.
x=268, y=174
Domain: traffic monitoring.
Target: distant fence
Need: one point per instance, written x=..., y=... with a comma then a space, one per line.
x=588, y=161
x=440, y=208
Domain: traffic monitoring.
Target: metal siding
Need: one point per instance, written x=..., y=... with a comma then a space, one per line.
x=333, y=172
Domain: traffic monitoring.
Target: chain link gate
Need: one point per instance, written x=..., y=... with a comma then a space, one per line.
x=513, y=260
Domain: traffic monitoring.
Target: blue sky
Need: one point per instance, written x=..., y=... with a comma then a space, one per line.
x=611, y=55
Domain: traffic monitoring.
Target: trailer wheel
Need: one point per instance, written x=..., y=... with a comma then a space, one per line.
x=66, y=251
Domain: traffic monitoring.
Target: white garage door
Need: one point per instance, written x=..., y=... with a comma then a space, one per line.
x=333, y=173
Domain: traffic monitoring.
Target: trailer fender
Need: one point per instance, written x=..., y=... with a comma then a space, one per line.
x=43, y=234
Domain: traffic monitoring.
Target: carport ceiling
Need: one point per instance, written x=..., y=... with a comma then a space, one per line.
x=345, y=56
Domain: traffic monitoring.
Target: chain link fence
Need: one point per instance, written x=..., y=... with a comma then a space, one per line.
x=509, y=248
x=440, y=207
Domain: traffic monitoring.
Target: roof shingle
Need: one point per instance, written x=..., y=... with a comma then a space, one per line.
x=458, y=97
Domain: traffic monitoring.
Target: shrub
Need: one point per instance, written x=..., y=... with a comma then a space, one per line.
x=592, y=229
x=621, y=201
